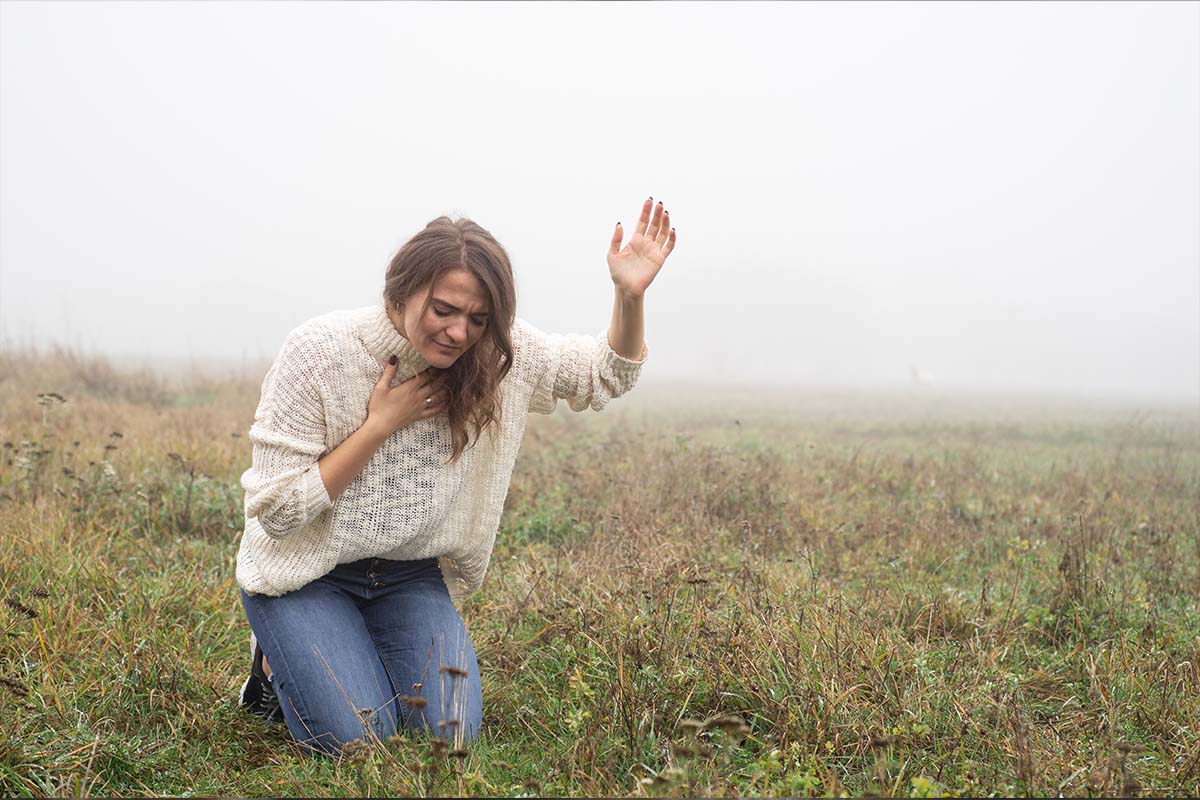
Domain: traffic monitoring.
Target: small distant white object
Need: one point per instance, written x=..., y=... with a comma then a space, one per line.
x=920, y=378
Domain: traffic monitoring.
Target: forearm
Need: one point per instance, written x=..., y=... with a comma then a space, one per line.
x=342, y=464
x=626, y=332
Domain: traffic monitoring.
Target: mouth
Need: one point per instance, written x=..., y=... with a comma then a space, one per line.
x=448, y=347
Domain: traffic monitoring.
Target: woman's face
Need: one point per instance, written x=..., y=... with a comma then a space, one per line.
x=455, y=320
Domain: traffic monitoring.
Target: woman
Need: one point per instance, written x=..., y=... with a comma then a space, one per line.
x=383, y=446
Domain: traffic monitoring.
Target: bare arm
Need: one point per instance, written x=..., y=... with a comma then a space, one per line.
x=342, y=464
x=632, y=270
x=626, y=331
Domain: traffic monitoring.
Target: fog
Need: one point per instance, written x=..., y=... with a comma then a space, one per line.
x=991, y=197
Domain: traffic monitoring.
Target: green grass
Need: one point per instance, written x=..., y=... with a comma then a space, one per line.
x=774, y=595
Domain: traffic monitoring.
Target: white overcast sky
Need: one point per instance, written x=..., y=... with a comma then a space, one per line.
x=1004, y=195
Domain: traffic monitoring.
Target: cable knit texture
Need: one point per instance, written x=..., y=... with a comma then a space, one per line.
x=408, y=502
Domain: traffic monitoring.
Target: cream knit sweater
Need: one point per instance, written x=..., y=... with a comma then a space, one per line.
x=407, y=503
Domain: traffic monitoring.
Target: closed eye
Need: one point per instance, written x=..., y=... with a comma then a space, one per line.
x=477, y=320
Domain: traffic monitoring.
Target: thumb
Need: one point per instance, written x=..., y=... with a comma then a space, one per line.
x=389, y=372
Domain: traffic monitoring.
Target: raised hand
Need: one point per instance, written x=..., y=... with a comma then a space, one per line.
x=634, y=266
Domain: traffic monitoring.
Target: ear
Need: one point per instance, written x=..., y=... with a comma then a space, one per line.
x=395, y=312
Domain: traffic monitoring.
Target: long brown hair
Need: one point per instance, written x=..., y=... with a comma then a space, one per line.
x=474, y=378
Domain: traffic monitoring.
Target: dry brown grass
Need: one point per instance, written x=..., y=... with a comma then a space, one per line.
x=779, y=595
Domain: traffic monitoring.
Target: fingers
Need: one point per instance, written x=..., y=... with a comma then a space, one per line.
x=389, y=372
x=670, y=244
x=436, y=403
x=664, y=229
x=424, y=381
x=614, y=245
x=429, y=379
x=643, y=218
x=431, y=392
x=655, y=221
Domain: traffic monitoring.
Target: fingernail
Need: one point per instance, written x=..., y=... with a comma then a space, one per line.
x=392, y=361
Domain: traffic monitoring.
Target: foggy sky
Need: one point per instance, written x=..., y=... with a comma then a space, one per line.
x=1005, y=196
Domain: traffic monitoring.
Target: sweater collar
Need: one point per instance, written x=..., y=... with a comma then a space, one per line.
x=383, y=341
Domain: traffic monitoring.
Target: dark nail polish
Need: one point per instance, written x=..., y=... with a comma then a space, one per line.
x=392, y=361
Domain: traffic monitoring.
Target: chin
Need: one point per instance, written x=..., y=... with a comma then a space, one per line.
x=441, y=360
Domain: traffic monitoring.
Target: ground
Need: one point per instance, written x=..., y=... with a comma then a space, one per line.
x=692, y=593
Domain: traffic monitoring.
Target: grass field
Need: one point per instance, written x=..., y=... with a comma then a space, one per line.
x=736, y=595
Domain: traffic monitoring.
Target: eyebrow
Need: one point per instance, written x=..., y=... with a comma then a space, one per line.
x=453, y=307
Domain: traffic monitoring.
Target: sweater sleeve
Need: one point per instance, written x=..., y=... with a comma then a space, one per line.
x=582, y=370
x=284, y=490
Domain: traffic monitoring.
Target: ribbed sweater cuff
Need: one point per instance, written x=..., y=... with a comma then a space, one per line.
x=618, y=365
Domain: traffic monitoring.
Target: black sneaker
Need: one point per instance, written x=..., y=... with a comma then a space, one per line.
x=258, y=692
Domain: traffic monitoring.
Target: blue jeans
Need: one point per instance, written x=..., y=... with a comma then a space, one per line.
x=371, y=646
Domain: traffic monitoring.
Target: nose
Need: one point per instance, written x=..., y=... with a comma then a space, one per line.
x=456, y=331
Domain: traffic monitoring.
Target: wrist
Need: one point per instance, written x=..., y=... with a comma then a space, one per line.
x=625, y=296
x=374, y=433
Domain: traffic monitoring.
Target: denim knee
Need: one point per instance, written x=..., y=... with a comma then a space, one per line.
x=370, y=725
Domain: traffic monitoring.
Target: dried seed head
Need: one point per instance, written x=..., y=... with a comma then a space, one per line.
x=16, y=605
x=455, y=671
x=880, y=742
x=692, y=726
x=447, y=723
x=16, y=687
x=356, y=751
x=38, y=591
x=730, y=723
x=413, y=700
x=458, y=753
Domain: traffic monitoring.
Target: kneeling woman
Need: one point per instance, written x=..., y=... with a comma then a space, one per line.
x=384, y=442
